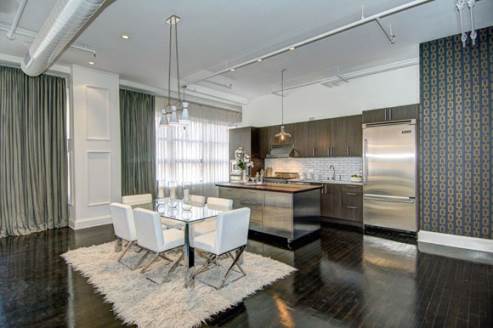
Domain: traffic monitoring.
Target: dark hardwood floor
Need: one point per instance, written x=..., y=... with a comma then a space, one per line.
x=345, y=279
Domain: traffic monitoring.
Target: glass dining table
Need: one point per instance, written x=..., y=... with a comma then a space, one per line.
x=185, y=215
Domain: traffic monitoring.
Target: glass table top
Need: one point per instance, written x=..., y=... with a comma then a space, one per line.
x=181, y=211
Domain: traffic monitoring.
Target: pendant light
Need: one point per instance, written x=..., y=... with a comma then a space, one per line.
x=282, y=136
x=174, y=115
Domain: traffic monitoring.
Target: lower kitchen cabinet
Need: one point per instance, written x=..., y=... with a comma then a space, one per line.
x=342, y=201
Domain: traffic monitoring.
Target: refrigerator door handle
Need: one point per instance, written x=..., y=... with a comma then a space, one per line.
x=397, y=199
x=365, y=161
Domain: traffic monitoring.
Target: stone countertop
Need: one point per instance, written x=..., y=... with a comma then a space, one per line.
x=276, y=187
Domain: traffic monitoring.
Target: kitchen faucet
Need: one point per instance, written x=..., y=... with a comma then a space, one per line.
x=331, y=167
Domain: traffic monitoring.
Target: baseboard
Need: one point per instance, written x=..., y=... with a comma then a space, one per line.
x=90, y=222
x=472, y=243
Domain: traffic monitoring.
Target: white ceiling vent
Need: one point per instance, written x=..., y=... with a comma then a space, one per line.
x=66, y=20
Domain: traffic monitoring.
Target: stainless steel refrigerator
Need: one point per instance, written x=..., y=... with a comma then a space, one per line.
x=389, y=175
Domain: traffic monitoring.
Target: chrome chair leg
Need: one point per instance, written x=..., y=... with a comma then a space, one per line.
x=176, y=263
x=235, y=263
x=141, y=260
x=118, y=245
x=127, y=247
x=164, y=257
x=145, y=268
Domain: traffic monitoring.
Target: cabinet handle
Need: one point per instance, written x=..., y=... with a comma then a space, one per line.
x=385, y=114
x=390, y=114
x=352, y=207
x=351, y=194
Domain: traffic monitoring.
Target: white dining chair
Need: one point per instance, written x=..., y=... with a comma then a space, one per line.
x=201, y=227
x=221, y=203
x=124, y=227
x=152, y=238
x=231, y=235
x=139, y=199
x=197, y=200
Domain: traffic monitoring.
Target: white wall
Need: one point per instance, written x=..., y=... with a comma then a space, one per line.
x=391, y=88
x=96, y=170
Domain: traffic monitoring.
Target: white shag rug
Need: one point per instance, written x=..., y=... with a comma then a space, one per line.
x=137, y=300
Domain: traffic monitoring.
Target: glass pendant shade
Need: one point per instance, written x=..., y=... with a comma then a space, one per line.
x=164, y=118
x=173, y=120
x=185, y=118
x=283, y=136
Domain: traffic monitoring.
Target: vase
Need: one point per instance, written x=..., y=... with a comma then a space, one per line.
x=244, y=176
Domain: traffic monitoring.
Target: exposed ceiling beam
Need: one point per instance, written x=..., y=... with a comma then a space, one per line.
x=17, y=17
x=31, y=35
x=363, y=20
x=336, y=79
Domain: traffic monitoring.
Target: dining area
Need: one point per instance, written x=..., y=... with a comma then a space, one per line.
x=187, y=256
x=169, y=225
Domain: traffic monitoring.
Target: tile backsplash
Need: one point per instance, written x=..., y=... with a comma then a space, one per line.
x=344, y=166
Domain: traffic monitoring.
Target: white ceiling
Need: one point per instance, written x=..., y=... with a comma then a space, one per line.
x=214, y=34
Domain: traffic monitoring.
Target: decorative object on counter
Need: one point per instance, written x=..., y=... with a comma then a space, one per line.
x=282, y=137
x=242, y=165
x=356, y=178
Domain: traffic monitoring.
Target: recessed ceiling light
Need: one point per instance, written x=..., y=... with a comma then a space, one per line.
x=91, y=62
x=125, y=36
x=232, y=69
x=259, y=60
x=291, y=49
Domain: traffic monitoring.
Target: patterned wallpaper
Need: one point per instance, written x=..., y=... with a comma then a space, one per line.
x=456, y=136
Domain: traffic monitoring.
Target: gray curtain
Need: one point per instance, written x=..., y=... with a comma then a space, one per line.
x=33, y=165
x=138, y=140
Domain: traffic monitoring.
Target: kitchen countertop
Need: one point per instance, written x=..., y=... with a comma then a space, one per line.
x=349, y=182
x=276, y=187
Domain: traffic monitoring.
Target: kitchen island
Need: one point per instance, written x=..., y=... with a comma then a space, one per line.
x=290, y=211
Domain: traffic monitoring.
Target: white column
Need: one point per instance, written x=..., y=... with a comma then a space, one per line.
x=96, y=171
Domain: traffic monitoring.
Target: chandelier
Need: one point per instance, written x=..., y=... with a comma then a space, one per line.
x=176, y=114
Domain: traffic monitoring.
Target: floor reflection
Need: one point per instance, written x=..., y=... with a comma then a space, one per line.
x=344, y=279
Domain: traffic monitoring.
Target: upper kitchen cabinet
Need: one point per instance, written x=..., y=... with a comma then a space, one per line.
x=345, y=136
x=398, y=113
x=353, y=136
x=336, y=137
x=317, y=138
x=266, y=138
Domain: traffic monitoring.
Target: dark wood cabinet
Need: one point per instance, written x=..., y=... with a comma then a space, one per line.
x=265, y=141
x=407, y=112
x=342, y=202
x=336, y=137
x=353, y=136
x=375, y=115
x=397, y=113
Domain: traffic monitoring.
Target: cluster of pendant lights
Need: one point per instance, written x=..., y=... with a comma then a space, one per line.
x=174, y=115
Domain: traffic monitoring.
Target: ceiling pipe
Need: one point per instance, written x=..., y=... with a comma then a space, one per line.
x=17, y=18
x=363, y=20
x=65, y=22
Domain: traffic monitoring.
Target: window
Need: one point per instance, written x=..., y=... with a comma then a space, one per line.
x=196, y=157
